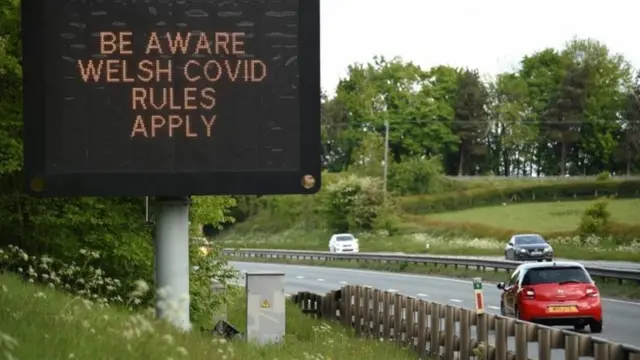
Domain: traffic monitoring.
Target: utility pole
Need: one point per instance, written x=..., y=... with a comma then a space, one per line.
x=386, y=155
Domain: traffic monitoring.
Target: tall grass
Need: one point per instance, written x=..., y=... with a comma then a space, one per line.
x=39, y=319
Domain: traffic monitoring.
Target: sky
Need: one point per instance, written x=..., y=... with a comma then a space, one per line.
x=489, y=35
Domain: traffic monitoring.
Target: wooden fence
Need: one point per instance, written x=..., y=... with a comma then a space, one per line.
x=440, y=331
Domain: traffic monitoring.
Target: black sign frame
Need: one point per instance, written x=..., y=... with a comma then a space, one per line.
x=307, y=180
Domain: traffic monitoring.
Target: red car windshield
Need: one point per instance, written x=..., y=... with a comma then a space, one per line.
x=556, y=275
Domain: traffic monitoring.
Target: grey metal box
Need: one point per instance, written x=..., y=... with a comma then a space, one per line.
x=266, y=316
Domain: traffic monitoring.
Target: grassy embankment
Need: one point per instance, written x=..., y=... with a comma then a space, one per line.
x=37, y=322
x=475, y=217
x=480, y=227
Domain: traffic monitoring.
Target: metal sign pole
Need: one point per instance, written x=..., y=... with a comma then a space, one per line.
x=171, y=250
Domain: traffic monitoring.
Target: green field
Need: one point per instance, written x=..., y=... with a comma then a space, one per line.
x=542, y=217
x=42, y=323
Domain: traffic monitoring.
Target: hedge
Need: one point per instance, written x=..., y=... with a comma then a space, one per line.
x=624, y=233
x=466, y=199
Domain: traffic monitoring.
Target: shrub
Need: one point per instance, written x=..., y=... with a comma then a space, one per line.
x=596, y=219
x=92, y=282
x=460, y=200
x=355, y=203
x=210, y=210
x=617, y=232
x=604, y=175
x=416, y=176
x=208, y=266
x=79, y=277
x=60, y=228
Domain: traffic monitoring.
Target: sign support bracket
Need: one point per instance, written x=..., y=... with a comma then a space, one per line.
x=171, y=259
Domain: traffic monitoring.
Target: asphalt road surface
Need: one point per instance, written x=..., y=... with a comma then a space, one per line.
x=625, y=265
x=620, y=317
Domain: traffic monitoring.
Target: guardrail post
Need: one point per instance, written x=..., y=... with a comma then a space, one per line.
x=357, y=315
x=571, y=347
x=501, y=339
x=422, y=328
x=377, y=297
x=601, y=351
x=366, y=316
x=449, y=331
x=482, y=331
x=398, y=302
x=409, y=310
x=434, y=345
x=544, y=344
x=349, y=306
x=386, y=315
x=522, y=340
x=465, y=334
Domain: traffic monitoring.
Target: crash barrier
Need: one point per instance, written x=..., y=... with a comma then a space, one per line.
x=447, y=332
x=619, y=275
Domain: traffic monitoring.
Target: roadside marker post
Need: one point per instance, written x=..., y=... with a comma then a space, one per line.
x=478, y=295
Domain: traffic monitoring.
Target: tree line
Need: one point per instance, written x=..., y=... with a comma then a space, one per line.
x=573, y=111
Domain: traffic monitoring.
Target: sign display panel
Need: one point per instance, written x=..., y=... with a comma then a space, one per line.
x=163, y=98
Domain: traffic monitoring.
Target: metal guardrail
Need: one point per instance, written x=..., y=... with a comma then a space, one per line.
x=480, y=264
x=440, y=331
x=542, y=178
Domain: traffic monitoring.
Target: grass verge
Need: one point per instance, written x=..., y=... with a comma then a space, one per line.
x=607, y=288
x=37, y=322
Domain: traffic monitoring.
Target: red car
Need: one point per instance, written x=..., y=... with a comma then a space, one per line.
x=558, y=293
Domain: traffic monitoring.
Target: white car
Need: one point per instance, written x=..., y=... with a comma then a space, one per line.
x=343, y=243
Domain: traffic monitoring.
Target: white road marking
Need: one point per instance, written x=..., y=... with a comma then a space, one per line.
x=440, y=278
x=343, y=282
x=622, y=301
x=493, y=307
x=455, y=300
x=320, y=279
x=392, y=290
x=422, y=295
x=300, y=277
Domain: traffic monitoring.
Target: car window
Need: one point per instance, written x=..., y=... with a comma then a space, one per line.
x=529, y=240
x=514, y=278
x=556, y=274
x=344, y=237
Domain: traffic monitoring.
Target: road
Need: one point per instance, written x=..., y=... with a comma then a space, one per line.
x=624, y=265
x=620, y=317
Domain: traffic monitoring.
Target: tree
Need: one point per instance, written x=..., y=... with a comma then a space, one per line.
x=543, y=74
x=629, y=138
x=337, y=144
x=566, y=111
x=609, y=74
x=368, y=158
x=471, y=119
x=400, y=93
x=512, y=139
